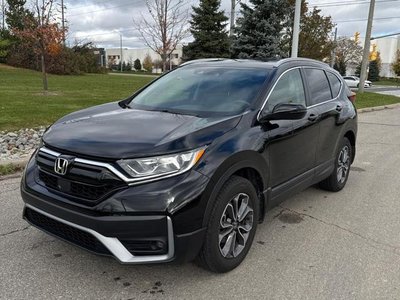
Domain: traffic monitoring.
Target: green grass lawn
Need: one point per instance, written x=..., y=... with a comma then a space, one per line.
x=387, y=82
x=23, y=104
x=369, y=99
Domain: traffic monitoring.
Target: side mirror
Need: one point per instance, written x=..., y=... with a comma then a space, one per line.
x=286, y=111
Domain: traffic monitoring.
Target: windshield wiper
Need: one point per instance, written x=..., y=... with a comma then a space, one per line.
x=165, y=110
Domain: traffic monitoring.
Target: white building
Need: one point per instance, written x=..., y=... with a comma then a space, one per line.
x=387, y=47
x=130, y=55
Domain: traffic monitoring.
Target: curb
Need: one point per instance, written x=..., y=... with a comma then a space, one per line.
x=377, y=108
x=11, y=176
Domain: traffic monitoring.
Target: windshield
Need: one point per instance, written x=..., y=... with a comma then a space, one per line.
x=204, y=91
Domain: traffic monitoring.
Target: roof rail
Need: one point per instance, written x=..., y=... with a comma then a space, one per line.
x=203, y=60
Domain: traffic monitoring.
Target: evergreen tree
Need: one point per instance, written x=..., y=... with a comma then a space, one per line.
x=137, y=65
x=340, y=66
x=373, y=73
x=358, y=70
x=396, y=64
x=259, y=29
x=16, y=14
x=148, y=63
x=208, y=27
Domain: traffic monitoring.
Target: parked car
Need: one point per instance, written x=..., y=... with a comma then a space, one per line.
x=186, y=167
x=354, y=82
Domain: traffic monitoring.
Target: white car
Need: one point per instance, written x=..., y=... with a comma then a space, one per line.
x=354, y=81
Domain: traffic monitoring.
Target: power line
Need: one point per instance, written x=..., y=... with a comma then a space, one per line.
x=91, y=4
x=108, y=8
x=362, y=20
x=340, y=3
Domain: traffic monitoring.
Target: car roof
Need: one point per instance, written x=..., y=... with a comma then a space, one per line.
x=252, y=63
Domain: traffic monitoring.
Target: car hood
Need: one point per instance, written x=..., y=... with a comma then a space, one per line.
x=111, y=132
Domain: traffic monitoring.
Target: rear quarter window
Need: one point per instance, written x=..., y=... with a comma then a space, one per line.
x=319, y=86
x=335, y=84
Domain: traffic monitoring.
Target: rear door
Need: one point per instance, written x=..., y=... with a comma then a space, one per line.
x=325, y=87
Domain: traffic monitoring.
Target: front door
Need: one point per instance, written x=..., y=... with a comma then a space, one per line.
x=291, y=143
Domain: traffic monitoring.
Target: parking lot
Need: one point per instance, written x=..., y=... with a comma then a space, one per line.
x=316, y=245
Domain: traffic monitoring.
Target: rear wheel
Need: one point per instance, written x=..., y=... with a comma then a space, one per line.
x=231, y=227
x=337, y=180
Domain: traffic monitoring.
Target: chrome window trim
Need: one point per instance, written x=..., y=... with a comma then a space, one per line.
x=115, y=246
x=128, y=180
x=340, y=90
x=310, y=106
x=272, y=89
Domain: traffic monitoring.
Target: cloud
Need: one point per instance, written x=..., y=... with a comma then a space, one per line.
x=102, y=21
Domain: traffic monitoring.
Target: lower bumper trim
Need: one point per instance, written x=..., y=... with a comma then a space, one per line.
x=115, y=247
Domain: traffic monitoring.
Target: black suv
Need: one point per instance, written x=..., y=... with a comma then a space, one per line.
x=187, y=166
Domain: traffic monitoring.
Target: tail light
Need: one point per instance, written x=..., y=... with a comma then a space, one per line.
x=352, y=97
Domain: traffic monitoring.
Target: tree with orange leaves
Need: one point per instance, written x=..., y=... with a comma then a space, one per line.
x=43, y=33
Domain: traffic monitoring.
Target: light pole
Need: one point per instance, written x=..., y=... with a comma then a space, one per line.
x=120, y=46
x=296, y=29
x=334, y=49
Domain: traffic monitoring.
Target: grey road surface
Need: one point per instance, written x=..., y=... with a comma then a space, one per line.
x=316, y=245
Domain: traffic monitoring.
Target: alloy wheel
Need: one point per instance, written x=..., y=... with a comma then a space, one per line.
x=235, y=225
x=343, y=164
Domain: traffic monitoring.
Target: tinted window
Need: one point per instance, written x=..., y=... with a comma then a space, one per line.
x=319, y=86
x=289, y=89
x=335, y=84
x=203, y=91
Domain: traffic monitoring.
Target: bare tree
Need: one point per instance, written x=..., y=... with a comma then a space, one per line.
x=349, y=51
x=166, y=28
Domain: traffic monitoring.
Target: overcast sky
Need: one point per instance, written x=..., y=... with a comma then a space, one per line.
x=102, y=21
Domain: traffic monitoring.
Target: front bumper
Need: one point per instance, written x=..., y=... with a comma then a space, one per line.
x=109, y=245
x=135, y=225
x=113, y=235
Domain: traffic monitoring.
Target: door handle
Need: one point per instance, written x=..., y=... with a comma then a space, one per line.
x=339, y=108
x=312, y=117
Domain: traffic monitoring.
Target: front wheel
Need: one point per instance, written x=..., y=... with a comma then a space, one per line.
x=231, y=226
x=337, y=180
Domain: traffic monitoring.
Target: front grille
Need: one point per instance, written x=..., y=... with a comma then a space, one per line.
x=65, y=232
x=83, y=183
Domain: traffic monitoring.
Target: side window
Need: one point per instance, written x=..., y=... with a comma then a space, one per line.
x=289, y=89
x=319, y=86
x=335, y=84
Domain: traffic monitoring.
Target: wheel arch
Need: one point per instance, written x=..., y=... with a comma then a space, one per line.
x=247, y=164
x=350, y=135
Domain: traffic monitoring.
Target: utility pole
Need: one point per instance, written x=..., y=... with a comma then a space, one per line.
x=63, y=21
x=233, y=11
x=120, y=36
x=334, y=49
x=3, y=14
x=296, y=29
x=367, y=45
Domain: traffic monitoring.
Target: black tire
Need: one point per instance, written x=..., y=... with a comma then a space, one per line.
x=332, y=183
x=211, y=255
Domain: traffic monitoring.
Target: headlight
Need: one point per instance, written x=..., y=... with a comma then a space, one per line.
x=150, y=167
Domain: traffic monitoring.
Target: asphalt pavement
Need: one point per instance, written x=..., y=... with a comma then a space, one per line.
x=316, y=245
